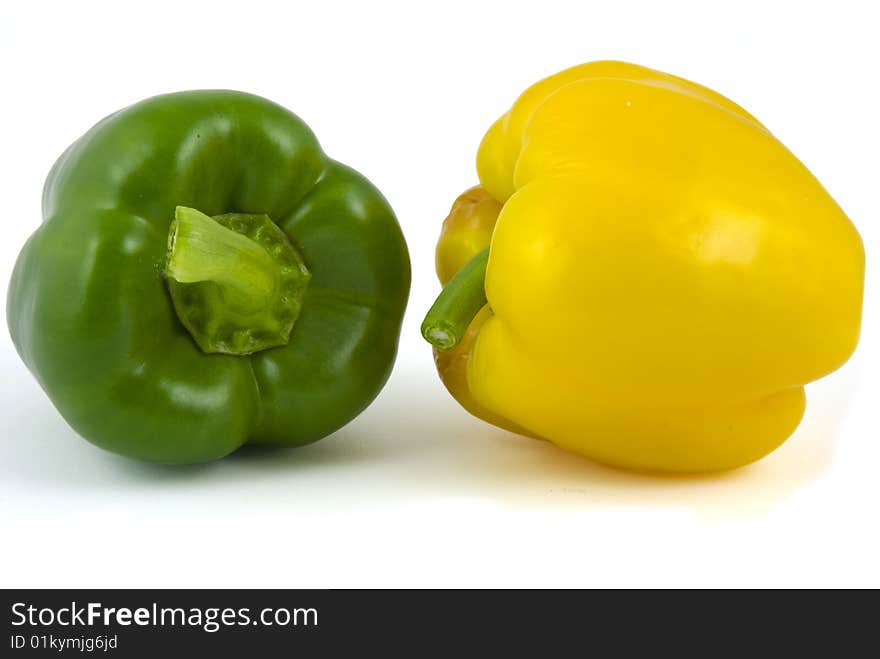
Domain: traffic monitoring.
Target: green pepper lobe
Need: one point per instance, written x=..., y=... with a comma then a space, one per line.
x=236, y=280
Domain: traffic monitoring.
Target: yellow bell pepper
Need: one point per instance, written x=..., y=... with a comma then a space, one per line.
x=645, y=276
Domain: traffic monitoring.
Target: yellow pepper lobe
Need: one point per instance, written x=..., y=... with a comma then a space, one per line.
x=466, y=232
x=664, y=275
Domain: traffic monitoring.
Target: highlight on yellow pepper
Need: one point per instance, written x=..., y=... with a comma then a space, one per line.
x=644, y=276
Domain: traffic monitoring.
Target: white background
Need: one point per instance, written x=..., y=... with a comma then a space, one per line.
x=415, y=492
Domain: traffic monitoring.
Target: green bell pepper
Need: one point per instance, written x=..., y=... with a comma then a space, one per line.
x=206, y=277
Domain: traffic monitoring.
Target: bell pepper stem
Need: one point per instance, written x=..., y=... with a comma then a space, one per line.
x=201, y=249
x=236, y=281
x=460, y=300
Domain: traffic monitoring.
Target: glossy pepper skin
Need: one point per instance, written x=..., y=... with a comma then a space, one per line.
x=97, y=318
x=664, y=276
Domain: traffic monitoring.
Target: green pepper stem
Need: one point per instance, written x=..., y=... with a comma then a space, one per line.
x=236, y=280
x=202, y=249
x=459, y=301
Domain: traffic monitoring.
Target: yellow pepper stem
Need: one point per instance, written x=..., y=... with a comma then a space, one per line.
x=460, y=300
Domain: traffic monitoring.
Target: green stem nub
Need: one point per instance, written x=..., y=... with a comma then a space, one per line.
x=459, y=301
x=236, y=280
